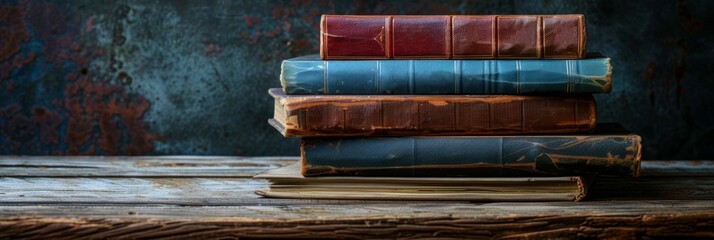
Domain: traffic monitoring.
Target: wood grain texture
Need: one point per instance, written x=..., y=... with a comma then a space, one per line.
x=499, y=220
x=677, y=168
x=239, y=191
x=145, y=166
x=152, y=203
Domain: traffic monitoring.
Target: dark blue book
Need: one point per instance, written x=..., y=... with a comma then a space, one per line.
x=610, y=150
x=312, y=75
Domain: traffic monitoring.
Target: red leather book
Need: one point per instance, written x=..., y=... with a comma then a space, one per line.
x=453, y=37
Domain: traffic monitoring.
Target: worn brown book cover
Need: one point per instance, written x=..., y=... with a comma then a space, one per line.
x=422, y=115
x=287, y=182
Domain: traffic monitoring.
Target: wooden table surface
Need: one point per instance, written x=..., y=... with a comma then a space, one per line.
x=212, y=197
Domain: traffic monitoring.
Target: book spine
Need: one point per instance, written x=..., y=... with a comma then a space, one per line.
x=364, y=115
x=472, y=156
x=403, y=77
x=457, y=37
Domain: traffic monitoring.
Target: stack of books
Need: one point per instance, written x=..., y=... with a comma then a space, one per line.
x=448, y=108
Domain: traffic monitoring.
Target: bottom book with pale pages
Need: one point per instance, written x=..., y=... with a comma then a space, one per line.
x=287, y=182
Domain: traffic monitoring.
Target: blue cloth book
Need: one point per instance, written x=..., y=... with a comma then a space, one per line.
x=308, y=75
x=610, y=150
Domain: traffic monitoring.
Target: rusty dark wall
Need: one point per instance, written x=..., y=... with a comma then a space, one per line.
x=188, y=77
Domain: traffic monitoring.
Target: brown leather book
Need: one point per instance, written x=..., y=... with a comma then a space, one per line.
x=421, y=115
x=453, y=37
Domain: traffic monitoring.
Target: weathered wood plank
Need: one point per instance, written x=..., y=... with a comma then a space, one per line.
x=224, y=166
x=652, y=187
x=677, y=168
x=240, y=191
x=156, y=188
x=620, y=219
x=211, y=197
x=186, y=191
x=148, y=166
x=136, y=191
x=362, y=210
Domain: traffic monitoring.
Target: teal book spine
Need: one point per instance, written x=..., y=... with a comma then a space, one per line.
x=309, y=75
x=601, y=153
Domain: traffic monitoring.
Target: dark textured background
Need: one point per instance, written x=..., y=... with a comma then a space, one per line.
x=191, y=77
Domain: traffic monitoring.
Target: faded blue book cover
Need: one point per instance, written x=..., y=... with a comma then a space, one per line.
x=311, y=75
x=610, y=150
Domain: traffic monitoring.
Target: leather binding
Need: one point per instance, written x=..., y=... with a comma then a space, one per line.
x=610, y=150
x=453, y=37
x=311, y=75
x=401, y=115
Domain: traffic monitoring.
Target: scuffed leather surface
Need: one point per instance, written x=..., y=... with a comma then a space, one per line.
x=338, y=115
x=311, y=75
x=453, y=37
x=518, y=37
x=421, y=36
x=609, y=151
x=355, y=36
